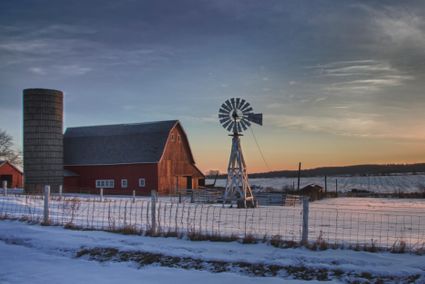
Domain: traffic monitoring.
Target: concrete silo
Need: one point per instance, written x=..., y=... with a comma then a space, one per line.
x=43, y=139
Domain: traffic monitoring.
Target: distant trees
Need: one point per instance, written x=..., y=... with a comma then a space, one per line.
x=7, y=150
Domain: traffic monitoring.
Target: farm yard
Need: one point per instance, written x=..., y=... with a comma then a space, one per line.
x=377, y=184
x=357, y=223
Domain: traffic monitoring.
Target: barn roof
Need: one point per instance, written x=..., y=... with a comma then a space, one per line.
x=3, y=162
x=117, y=144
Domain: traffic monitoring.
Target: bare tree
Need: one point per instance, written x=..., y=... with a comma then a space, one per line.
x=7, y=151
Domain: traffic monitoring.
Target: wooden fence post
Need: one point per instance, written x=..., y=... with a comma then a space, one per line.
x=5, y=187
x=101, y=195
x=304, y=238
x=46, y=204
x=60, y=190
x=154, y=199
x=134, y=196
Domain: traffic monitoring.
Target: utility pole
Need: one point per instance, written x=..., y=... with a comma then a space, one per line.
x=326, y=184
x=299, y=175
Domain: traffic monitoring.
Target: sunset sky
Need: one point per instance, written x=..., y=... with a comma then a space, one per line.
x=338, y=82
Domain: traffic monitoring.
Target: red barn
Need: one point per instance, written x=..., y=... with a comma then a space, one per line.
x=11, y=174
x=126, y=157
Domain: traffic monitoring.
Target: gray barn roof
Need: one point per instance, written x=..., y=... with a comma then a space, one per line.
x=116, y=144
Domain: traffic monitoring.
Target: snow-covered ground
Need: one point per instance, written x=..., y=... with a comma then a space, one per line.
x=345, y=222
x=379, y=184
x=39, y=254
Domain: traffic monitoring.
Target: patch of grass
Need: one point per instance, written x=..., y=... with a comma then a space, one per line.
x=319, y=244
x=399, y=246
x=372, y=247
x=278, y=242
x=249, y=239
x=126, y=230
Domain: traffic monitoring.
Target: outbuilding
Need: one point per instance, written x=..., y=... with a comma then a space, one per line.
x=11, y=174
x=126, y=157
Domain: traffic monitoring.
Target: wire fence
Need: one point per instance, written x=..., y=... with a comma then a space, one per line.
x=322, y=226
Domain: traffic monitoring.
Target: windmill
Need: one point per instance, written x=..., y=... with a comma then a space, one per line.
x=236, y=115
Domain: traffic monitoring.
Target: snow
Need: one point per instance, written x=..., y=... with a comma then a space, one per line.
x=341, y=221
x=379, y=184
x=37, y=254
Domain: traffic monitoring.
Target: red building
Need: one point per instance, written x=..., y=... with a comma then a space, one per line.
x=126, y=157
x=11, y=174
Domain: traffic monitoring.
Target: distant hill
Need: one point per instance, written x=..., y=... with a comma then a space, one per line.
x=359, y=170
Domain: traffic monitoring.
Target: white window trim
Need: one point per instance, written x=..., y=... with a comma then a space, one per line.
x=124, y=183
x=105, y=183
x=142, y=184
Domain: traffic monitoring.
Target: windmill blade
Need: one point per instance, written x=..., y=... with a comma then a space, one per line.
x=238, y=124
x=223, y=115
x=238, y=100
x=232, y=100
x=229, y=128
x=245, y=105
x=256, y=118
x=223, y=120
x=225, y=107
x=224, y=111
x=242, y=104
x=246, y=121
x=243, y=124
x=226, y=124
x=247, y=110
x=228, y=104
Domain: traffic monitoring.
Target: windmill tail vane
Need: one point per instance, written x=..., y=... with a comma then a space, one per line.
x=236, y=115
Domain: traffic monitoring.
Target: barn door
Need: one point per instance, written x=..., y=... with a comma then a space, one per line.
x=7, y=178
x=188, y=182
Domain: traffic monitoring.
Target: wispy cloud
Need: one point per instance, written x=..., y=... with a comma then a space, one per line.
x=360, y=76
x=37, y=70
x=367, y=125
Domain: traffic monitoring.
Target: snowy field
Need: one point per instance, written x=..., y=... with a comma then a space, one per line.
x=347, y=222
x=38, y=254
x=378, y=184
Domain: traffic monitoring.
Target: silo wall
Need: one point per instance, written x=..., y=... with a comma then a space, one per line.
x=43, y=139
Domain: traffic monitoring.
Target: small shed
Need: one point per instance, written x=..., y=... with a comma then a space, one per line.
x=11, y=174
x=313, y=191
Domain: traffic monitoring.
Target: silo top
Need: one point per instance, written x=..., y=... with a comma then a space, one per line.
x=40, y=91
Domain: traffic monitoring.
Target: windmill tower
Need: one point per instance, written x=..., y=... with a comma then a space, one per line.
x=236, y=115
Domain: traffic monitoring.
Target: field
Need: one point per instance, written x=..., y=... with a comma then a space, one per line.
x=378, y=184
x=343, y=222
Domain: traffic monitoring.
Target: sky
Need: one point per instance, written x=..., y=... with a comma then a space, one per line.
x=338, y=82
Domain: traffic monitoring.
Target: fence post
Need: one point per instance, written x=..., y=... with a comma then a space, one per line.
x=60, y=190
x=5, y=187
x=134, y=196
x=101, y=195
x=192, y=199
x=154, y=199
x=46, y=204
x=180, y=197
x=336, y=187
x=304, y=238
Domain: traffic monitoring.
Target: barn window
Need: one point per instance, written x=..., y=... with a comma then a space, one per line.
x=142, y=182
x=178, y=138
x=124, y=183
x=172, y=137
x=105, y=183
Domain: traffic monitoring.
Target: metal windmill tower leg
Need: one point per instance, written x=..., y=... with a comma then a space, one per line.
x=237, y=185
